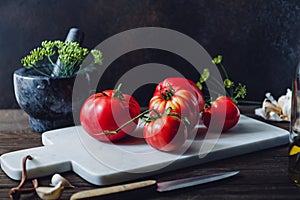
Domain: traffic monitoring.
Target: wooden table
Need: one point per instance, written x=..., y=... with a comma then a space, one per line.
x=263, y=174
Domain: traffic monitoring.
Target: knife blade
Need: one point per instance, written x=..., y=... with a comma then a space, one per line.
x=197, y=180
x=161, y=187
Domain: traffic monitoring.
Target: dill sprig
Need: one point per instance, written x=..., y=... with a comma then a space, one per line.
x=70, y=55
x=232, y=90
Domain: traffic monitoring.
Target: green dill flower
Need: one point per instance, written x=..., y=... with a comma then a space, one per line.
x=28, y=61
x=71, y=52
x=48, y=48
x=204, y=76
x=70, y=55
x=58, y=43
x=37, y=54
x=217, y=60
x=232, y=91
x=199, y=85
x=228, y=83
x=240, y=91
x=97, y=56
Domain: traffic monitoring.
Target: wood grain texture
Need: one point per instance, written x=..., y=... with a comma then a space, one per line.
x=263, y=174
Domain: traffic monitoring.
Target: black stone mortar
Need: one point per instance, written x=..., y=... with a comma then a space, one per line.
x=47, y=100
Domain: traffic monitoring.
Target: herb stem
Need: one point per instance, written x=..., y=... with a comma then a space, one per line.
x=39, y=71
x=217, y=82
x=130, y=121
x=51, y=61
x=224, y=71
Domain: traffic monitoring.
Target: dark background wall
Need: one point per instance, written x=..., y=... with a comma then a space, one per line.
x=259, y=39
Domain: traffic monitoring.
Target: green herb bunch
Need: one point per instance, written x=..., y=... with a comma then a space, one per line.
x=234, y=91
x=70, y=55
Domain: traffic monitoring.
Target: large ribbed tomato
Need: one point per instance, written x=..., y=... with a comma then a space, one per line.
x=179, y=95
x=186, y=84
x=107, y=111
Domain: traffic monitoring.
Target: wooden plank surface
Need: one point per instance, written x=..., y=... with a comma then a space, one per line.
x=263, y=174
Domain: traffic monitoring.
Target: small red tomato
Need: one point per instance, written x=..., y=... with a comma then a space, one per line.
x=225, y=111
x=107, y=111
x=167, y=133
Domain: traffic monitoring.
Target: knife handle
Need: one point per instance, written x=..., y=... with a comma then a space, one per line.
x=111, y=190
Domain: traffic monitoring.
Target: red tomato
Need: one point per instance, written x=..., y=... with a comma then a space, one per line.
x=105, y=112
x=186, y=84
x=167, y=133
x=176, y=96
x=222, y=105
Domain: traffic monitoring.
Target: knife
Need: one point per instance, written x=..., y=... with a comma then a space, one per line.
x=161, y=187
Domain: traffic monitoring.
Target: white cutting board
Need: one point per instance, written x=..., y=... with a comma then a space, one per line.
x=71, y=149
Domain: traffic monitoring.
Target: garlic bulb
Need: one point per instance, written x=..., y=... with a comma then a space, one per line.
x=276, y=110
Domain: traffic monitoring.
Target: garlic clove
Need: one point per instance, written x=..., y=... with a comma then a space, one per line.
x=271, y=99
x=270, y=108
x=58, y=179
x=284, y=102
x=50, y=193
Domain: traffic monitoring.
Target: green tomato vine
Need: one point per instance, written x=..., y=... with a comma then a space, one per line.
x=234, y=91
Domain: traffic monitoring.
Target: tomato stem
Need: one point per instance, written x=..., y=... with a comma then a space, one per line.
x=184, y=119
x=167, y=94
x=149, y=118
x=142, y=115
x=117, y=93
